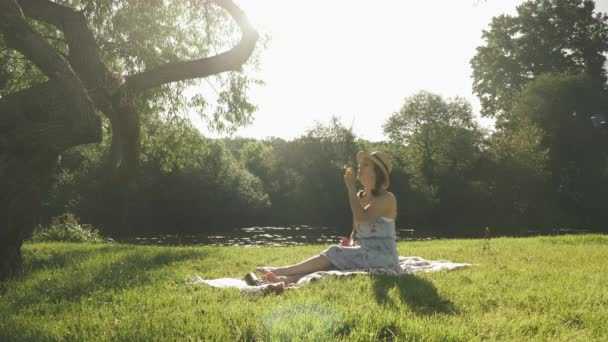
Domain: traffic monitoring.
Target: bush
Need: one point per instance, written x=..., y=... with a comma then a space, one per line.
x=66, y=228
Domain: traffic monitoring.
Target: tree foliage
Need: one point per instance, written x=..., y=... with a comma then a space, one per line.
x=516, y=172
x=564, y=108
x=443, y=144
x=546, y=36
x=442, y=132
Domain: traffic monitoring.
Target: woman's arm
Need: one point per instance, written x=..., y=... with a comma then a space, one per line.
x=381, y=206
x=353, y=234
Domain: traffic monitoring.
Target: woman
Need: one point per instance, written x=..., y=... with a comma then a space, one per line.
x=374, y=212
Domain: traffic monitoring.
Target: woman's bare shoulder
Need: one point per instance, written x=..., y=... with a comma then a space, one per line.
x=386, y=199
x=390, y=196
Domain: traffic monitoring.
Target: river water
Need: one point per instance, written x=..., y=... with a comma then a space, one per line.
x=253, y=236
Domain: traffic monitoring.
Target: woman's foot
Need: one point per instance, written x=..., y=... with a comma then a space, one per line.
x=266, y=269
x=273, y=278
x=287, y=280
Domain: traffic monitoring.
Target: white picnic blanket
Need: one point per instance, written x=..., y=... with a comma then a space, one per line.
x=409, y=265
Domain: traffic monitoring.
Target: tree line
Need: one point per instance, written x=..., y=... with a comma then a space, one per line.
x=540, y=73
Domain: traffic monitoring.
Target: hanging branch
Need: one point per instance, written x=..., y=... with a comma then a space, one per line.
x=230, y=60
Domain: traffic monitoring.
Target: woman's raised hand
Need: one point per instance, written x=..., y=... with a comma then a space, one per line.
x=349, y=178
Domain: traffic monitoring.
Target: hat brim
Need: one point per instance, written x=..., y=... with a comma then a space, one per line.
x=363, y=154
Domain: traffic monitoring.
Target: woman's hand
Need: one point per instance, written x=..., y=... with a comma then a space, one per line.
x=344, y=241
x=349, y=179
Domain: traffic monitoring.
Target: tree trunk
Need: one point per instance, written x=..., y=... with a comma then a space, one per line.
x=36, y=125
x=10, y=257
x=24, y=180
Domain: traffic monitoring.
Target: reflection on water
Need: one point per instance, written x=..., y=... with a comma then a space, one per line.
x=253, y=236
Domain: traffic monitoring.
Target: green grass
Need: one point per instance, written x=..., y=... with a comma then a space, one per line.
x=546, y=288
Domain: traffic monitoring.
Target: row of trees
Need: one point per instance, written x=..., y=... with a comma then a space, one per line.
x=450, y=177
x=540, y=74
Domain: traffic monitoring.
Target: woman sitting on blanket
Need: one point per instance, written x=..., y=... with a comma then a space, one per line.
x=372, y=244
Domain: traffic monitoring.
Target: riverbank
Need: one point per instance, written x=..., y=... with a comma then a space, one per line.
x=545, y=288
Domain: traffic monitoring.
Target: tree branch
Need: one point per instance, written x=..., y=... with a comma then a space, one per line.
x=20, y=36
x=40, y=118
x=232, y=59
x=83, y=55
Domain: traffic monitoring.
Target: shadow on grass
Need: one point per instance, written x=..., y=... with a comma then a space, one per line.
x=12, y=330
x=91, y=272
x=418, y=293
x=36, y=259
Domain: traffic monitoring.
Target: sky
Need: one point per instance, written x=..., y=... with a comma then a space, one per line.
x=359, y=60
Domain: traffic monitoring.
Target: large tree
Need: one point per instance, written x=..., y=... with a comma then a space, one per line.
x=440, y=131
x=77, y=65
x=515, y=173
x=545, y=67
x=570, y=111
x=546, y=36
x=442, y=144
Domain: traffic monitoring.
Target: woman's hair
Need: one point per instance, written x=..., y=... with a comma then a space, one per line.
x=380, y=179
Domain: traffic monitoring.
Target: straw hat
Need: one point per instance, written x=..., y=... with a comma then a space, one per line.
x=380, y=159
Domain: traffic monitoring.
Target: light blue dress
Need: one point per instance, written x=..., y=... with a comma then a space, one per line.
x=377, y=248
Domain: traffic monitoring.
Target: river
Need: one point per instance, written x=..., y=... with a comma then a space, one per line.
x=253, y=236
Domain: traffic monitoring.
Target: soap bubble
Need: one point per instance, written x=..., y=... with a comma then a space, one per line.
x=598, y=120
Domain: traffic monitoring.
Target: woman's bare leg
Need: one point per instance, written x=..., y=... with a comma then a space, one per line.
x=314, y=264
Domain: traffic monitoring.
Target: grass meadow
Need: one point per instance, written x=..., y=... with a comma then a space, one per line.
x=537, y=288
